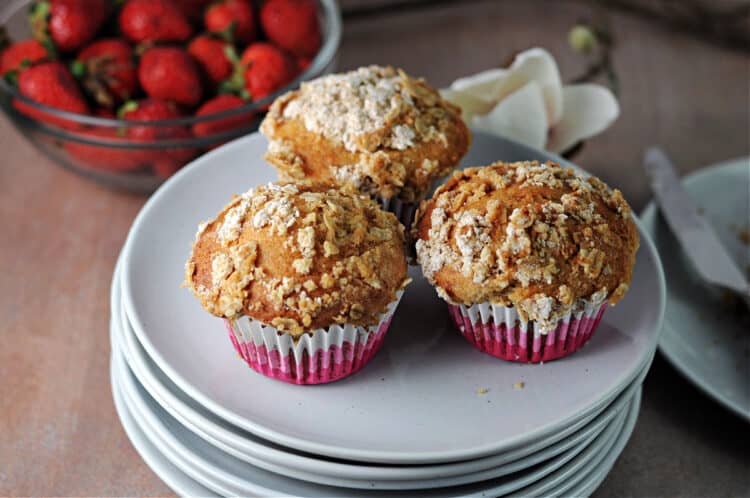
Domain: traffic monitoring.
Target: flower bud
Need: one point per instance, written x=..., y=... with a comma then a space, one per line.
x=582, y=39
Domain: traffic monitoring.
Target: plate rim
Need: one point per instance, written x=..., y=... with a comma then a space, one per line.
x=358, y=454
x=168, y=472
x=184, y=485
x=223, y=480
x=592, y=478
x=648, y=217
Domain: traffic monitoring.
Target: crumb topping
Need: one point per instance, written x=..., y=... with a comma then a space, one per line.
x=299, y=257
x=381, y=119
x=535, y=236
x=353, y=106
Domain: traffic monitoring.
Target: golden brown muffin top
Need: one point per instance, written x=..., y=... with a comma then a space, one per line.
x=299, y=257
x=375, y=127
x=534, y=236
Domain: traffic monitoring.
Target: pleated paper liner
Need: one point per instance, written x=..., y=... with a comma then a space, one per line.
x=323, y=355
x=499, y=331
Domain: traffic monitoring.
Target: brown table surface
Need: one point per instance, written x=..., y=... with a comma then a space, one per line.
x=59, y=434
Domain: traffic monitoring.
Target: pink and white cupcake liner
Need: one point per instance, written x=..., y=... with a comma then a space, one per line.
x=499, y=331
x=323, y=355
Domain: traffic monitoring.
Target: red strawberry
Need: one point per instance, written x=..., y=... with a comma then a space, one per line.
x=107, y=71
x=154, y=20
x=67, y=25
x=303, y=63
x=220, y=104
x=20, y=54
x=51, y=84
x=101, y=112
x=213, y=55
x=104, y=157
x=293, y=25
x=156, y=110
x=267, y=69
x=151, y=110
x=232, y=19
x=165, y=169
x=170, y=73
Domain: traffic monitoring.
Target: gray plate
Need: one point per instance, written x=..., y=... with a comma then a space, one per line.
x=708, y=344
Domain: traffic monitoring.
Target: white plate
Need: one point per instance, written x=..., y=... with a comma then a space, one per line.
x=387, y=412
x=184, y=485
x=709, y=346
x=162, y=467
x=582, y=480
x=593, y=479
x=227, y=475
x=268, y=456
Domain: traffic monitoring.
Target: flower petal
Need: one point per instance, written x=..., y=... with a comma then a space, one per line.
x=536, y=64
x=520, y=116
x=589, y=109
x=470, y=105
x=483, y=85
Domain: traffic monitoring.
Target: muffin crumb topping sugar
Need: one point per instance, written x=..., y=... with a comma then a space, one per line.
x=516, y=232
x=364, y=109
x=301, y=250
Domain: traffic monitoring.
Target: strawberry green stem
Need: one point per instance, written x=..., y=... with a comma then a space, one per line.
x=38, y=20
x=129, y=106
x=228, y=32
x=78, y=68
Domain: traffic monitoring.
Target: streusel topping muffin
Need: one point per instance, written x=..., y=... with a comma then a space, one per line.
x=388, y=134
x=536, y=237
x=299, y=257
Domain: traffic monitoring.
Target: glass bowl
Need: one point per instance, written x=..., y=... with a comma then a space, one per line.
x=92, y=146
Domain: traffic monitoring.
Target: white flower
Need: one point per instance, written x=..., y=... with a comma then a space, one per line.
x=527, y=102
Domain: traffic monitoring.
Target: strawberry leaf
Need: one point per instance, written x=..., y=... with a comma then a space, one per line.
x=228, y=32
x=78, y=68
x=234, y=84
x=12, y=77
x=141, y=48
x=226, y=87
x=38, y=20
x=50, y=47
x=98, y=91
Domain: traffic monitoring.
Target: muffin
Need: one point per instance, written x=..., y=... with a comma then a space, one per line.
x=388, y=134
x=306, y=276
x=527, y=256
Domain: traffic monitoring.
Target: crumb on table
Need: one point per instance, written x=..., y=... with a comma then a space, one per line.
x=483, y=390
x=519, y=385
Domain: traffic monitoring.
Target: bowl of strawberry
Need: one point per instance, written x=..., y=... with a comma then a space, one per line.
x=128, y=91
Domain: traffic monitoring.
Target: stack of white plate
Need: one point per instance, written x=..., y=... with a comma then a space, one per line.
x=428, y=416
